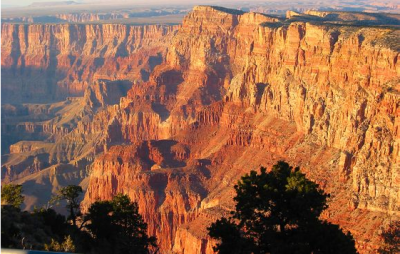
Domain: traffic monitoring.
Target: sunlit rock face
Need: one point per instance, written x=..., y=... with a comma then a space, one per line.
x=237, y=91
x=61, y=60
x=45, y=146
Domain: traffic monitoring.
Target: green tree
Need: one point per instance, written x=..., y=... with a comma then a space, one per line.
x=117, y=227
x=56, y=223
x=71, y=195
x=132, y=230
x=278, y=212
x=11, y=194
x=391, y=239
x=101, y=223
x=41, y=229
x=23, y=229
x=52, y=246
x=66, y=246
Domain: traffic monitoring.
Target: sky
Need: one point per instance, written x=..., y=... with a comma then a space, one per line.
x=28, y=2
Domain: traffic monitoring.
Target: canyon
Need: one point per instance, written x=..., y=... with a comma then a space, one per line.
x=73, y=55
x=173, y=115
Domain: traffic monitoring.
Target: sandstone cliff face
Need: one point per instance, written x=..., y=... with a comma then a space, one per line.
x=237, y=91
x=60, y=60
x=167, y=198
x=42, y=63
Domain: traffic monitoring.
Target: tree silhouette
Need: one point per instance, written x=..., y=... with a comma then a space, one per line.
x=70, y=194
x=117, y=227
x=23, y=229
x=278, y=212
x=111, y=227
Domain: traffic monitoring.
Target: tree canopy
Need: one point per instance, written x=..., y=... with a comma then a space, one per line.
x=20, y=229
x=11, y=194
x=117, y=227
x=278, y=212
x=32, y=230
x=70, y=194
x=113, y=226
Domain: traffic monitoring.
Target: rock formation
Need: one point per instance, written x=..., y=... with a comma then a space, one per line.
x=45, y=63
x=236, y=91
x=61, y=60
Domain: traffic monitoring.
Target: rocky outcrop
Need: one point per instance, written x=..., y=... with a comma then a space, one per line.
x=240, y=90
x=61, y=60
x=58, y=61
x=167, y=198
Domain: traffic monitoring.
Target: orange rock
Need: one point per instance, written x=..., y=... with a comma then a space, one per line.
x=236, y=92
x=71, y=56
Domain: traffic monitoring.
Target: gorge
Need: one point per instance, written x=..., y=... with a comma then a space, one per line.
x=173, y=115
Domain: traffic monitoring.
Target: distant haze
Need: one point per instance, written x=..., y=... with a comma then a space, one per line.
x=28, y=2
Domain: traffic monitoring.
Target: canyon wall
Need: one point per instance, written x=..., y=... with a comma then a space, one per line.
x=237, y=91
x=85, y=16
x=240, y=90
x=61, y=60
x=42, y=144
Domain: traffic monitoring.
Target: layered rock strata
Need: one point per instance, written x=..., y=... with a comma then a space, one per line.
x=240, y=90
x=60, y=60
x=44, y=63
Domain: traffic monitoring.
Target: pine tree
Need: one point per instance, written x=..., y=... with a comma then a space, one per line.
x=117, y=227
x=278, y=212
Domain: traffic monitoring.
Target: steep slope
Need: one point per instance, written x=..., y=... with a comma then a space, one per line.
x=44, y=145
x=240, y=90
x=61, y=60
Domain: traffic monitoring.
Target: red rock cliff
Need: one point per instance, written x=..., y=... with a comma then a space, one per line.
x=60, y=60
x=238, y=91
